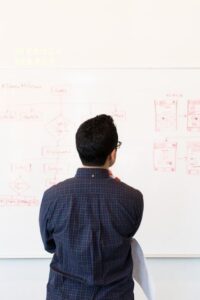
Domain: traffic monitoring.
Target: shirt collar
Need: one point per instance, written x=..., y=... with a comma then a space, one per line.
x=92, y=173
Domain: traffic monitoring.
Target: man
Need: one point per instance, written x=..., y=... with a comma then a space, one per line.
x=87, y=222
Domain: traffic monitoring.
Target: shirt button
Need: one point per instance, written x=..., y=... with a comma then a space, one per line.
x=93, y=175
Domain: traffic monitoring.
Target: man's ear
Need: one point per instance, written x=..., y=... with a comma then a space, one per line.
x=113, y=155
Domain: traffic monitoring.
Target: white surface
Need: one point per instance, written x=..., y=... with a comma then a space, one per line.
x=39, y=38
x=39, y=115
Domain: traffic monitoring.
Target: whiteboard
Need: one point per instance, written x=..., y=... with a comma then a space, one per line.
x=157, y=114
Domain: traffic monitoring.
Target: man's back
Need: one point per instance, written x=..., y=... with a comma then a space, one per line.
x=87, y=222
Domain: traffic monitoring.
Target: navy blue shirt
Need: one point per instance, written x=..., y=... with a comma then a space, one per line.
x=87, y=222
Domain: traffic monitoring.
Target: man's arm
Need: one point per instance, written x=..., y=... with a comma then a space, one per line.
x=138, y=208
x=46, y=229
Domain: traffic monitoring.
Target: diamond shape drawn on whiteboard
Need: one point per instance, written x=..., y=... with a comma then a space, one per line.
x=58, y=126
x=19, y=185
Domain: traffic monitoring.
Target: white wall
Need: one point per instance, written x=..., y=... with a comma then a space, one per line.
x=175, y=279
x=99, y=34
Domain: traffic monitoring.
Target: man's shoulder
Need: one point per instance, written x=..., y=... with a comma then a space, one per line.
x=59, y=187
x=127, y=189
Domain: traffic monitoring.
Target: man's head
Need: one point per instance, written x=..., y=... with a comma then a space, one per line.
x=96, y=141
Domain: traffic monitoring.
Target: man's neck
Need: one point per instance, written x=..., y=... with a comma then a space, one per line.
x=95, y=167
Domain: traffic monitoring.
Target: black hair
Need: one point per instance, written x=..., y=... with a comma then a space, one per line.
x=95, y=140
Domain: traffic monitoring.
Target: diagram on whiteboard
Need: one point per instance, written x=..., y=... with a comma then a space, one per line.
x=39, y=123
x=167, y=121
x=193, y=120
x=157, y=114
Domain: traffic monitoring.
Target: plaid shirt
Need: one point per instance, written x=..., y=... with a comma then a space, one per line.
x=87, y=222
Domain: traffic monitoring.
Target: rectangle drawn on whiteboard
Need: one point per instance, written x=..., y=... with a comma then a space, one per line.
x=22, y=114
x=165, y=156
x=165, y=115
x=55, y=151
x=16, y=201
x=193, y=115
x=193, y=158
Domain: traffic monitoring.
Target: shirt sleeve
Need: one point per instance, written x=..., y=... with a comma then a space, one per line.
x=138, y=209
x=46, y=228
